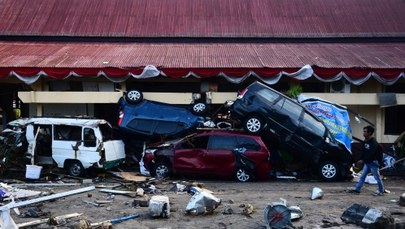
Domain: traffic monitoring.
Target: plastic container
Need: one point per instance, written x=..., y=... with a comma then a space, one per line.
x=33, y=172
x=159, y=206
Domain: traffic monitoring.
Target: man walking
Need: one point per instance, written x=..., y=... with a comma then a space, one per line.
x=371, y=159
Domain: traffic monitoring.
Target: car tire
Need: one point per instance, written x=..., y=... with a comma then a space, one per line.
x=162, y=170
x=199, y=108
x=74, y=168
x=253, y=124
x=243, y=175
x=329, y=171
x=133, y=96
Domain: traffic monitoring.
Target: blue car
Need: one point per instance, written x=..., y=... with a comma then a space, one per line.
x=148, y=120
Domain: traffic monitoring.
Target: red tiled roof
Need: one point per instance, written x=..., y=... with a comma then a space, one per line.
x=203, y=18
x=202, y=55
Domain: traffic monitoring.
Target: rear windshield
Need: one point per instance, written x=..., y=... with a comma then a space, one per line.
x=268, y=95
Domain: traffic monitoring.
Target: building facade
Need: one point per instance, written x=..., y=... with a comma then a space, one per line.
x=78, y=57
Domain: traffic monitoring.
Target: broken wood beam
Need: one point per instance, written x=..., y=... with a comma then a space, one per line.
x=45, y=184
x=41, y=221
x=44, y=198
x=117, y=191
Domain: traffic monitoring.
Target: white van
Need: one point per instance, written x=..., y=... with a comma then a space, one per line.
x=74, y=144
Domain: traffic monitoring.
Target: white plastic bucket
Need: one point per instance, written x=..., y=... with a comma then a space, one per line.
x=159, y=206
x=33, y=171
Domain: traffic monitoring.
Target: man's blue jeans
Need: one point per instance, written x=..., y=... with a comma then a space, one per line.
x=373, y=168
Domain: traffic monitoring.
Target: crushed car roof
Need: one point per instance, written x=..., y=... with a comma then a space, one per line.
x=77, y=121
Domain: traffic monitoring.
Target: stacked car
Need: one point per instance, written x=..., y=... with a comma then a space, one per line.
x=211, y=153
x=295, y=129
x=264, y=115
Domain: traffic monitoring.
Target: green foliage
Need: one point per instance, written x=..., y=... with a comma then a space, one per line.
x=294, y=91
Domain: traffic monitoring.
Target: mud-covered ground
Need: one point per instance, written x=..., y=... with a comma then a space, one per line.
x=235, y=198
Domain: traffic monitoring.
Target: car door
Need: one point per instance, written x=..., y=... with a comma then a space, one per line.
x=288, y=119
x=285, y=115
x=311, y=132
x=87, y=150
x=190, y=155
x=253, y=151
x=64, y=139
x=220, y=159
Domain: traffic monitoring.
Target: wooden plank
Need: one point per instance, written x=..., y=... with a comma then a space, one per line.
x=117, y=191
x=50, y=197
x=44, y=184
x=41, y=221
x=130, y=176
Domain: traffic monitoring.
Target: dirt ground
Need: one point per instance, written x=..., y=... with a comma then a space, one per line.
x=235, y=197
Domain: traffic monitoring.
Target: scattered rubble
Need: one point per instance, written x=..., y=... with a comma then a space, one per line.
x=159, y=206
x=149, y=199
x=367, y=217
x=202, y=202
x=280, y=215
x=402, y=200
x=317, y=193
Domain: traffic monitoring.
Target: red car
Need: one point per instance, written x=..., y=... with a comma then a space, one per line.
x=213, y=153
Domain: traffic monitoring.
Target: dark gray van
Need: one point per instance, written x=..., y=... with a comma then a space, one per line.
x=260, y=108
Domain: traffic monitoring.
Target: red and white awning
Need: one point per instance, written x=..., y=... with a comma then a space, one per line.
x=327, y=62
x=270, y=76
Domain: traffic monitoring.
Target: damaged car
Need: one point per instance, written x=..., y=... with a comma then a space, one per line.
x=143, y=120
x=264, y=111
x=211, y=153
x=71, y=143
x=13, y=146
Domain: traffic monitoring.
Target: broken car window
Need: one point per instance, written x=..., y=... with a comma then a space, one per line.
x=200, y=143
x=89, y=137
x=68, y=133
x=248, y=143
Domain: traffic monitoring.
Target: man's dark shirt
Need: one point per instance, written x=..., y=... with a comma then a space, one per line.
x=370, y=150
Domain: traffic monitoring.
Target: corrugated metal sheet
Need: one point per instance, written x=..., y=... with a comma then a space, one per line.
x=203, y=18
x=202, y=55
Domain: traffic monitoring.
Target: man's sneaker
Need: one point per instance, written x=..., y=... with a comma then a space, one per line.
x=378, y=194
x=353, y=190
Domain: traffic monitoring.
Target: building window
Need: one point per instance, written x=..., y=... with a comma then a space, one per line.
x=394, y=125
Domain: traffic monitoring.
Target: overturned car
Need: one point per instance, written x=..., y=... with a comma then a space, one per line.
x=292, y=127
x=141, y=120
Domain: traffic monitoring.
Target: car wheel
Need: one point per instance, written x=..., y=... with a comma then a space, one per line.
x=162, y=170
x=253, y=125
x=199, y=108
x=243, y=175
x=134, y=96
x=74, y=168
x=329, y=171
